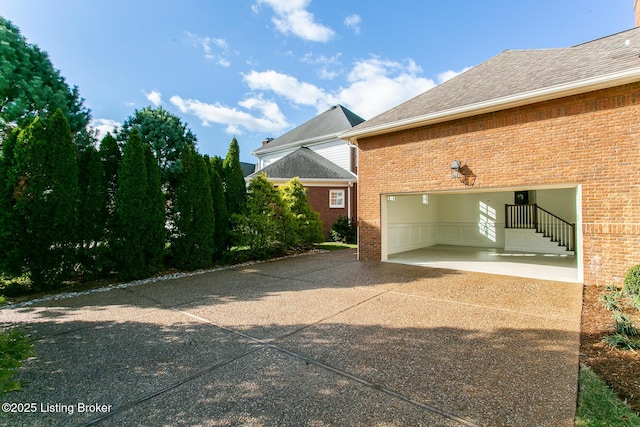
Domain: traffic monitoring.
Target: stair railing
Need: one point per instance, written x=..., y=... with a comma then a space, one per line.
x=543, y=221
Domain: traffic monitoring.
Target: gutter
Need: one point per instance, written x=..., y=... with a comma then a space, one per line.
x=503, y=103
x=302, y=143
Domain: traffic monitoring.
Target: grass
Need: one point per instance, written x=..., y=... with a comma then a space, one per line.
x=598, y=405
x=335, y=246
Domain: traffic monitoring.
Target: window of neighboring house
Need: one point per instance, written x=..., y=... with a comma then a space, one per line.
x=336, y=198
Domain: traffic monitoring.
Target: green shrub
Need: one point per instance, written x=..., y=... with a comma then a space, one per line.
x=344, y=230
x=622, y=341
x=308, y=226
x=631, y=284
x=624, y=325
x=267, y=227
x=610, y=301
x=15, y=347
x=625, y=305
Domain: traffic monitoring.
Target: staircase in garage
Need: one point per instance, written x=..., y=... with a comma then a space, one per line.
x=559, y=234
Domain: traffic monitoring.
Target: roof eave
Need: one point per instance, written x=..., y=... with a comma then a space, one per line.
x=503, y=103
x=313, y=182
x=303, y=142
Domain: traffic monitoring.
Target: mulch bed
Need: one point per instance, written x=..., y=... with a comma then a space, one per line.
x=618, y=368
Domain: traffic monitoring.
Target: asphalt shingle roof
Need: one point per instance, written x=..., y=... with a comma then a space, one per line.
x=305, y=163
x=514, y=72
x=331, y=122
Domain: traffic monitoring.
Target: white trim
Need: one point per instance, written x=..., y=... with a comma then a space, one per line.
x=304, y=142
x=503, y=103
x=313, y=182
x=579, y=238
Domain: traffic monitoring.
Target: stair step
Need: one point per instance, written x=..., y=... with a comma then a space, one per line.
x=550, y=240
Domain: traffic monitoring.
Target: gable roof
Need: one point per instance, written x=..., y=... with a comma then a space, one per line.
x=247, y=168
x=515, y=78
x=326, y=125
x=305, y=163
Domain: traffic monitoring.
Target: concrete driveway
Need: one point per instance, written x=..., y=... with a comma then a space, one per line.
x=313, y=340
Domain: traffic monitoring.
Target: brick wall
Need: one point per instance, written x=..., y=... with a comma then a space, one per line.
x=319, y=201
x=590, y=139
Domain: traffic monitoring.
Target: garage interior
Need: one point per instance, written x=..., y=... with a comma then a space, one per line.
x=518, y=232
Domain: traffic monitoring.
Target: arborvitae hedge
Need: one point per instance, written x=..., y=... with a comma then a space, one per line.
x=155, y=236
x=194, y=243
x=45, y=178
x=92, y=210
x=221, y=229
x=131, y=221
x=235, y=188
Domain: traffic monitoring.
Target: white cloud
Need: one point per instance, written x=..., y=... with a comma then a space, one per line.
x=269, y=119
x=102, y=126
x=291, y=17
x=289, y=87
x=221, y=56
x=331, y=67
x=154, y=97
x=353, y=22
x=375, y=85
x=448, y=75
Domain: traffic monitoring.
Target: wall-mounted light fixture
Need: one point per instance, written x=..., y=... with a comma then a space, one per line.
x=455, y=169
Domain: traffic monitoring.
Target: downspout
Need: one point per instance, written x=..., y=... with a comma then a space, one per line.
x=349, y=200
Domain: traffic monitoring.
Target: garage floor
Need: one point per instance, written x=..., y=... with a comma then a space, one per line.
x=561, y=268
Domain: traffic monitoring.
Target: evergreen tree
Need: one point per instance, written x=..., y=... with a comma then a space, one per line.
x=308, y=224
x=31, y=86
x=155, y=234
x=193, y=247
x=92, y=210
x=130, y=216
x=235, y=188
x=10, y=261
x=221, y=230
x=45, y=174
x=167, y=136
x=111, y=158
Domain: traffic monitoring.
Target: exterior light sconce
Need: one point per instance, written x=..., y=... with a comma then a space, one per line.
x=455, y=169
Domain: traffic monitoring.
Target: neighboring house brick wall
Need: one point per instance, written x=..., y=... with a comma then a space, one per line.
x=590, y=139
x=319, y=201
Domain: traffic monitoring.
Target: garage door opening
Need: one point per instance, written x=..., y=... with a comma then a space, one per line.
x=476, y=231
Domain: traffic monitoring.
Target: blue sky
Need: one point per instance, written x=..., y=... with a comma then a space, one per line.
x=259, y=68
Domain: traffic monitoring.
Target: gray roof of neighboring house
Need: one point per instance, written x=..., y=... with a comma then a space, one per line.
x=332, y=122
x=305, y=163
x=515, y=72
x=247, y=168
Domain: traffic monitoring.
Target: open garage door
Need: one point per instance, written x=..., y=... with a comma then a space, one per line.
x=474, y=231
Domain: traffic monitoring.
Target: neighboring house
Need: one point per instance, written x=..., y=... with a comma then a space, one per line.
x=556, y=127
x=325, y=164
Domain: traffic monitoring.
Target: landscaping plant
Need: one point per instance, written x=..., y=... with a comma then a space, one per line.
x=624, y=304
x=344, y=230
x=15, y=348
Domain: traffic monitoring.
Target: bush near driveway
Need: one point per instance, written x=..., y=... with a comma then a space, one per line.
x=15, y=347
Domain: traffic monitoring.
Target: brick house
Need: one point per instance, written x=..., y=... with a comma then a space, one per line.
x=324, y=163
x=480, y=159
